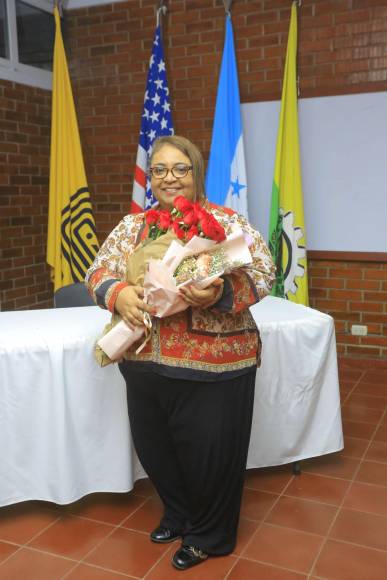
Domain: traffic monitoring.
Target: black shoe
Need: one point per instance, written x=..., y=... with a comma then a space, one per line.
x=188, y=556
x=162, y=535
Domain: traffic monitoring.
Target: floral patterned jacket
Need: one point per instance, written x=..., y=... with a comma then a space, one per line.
x=205, y=344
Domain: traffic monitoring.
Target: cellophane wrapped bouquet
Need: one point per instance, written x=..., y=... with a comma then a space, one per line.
x=184, y=246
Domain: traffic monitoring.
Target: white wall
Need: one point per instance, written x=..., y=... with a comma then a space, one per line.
x=344, y=168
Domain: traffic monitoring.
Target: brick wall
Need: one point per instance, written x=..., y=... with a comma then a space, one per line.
x=353, y=292
x=342, y=49
x=24, y=161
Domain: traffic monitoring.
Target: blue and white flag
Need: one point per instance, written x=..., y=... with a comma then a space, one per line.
x=156, y=121
x=226, y=173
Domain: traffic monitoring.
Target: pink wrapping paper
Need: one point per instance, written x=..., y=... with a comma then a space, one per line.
x=161, y=290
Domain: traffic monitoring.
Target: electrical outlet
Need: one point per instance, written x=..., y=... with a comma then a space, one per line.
x=359, y=330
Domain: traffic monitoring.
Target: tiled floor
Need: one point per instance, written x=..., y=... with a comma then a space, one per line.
x=329, y=522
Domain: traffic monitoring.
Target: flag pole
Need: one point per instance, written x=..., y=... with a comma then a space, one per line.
x=59, y=5
x=227, y=6
x=298, y=4
x=161, y=11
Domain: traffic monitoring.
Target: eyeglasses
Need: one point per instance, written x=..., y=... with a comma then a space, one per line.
x=160, y=171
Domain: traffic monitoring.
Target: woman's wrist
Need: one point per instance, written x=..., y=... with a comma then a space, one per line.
x=112, y=299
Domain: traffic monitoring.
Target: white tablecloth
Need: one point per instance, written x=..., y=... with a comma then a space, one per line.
x=64, y=429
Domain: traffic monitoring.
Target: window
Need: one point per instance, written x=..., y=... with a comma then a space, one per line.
x=27, y=34
x=4, y=52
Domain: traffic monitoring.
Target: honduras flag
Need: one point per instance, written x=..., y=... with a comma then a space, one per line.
x=226, y=172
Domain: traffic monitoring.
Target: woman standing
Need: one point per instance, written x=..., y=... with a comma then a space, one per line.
x=191, y=389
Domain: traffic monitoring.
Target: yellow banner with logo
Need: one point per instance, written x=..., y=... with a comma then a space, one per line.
x=71, y=240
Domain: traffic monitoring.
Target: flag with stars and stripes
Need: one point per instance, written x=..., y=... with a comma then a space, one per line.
x=156, y=121
x=226, y=182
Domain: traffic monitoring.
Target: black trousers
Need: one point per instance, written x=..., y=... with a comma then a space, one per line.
x=192, y=439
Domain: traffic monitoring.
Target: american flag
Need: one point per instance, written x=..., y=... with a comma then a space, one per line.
x=156, y=121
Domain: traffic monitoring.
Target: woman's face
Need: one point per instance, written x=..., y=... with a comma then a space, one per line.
x=169, y=187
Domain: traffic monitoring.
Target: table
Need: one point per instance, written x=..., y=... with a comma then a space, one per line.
x=64, y=428
x=297, y=410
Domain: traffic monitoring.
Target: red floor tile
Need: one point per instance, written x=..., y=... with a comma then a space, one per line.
x=212, y=569
x=347, y=384
x=128, y=552
x=318, y=488
x=6, y=550
x=348, y=374
x=354, y=447
x=381, y=434
x=256, y=504
x=370, y=389
x=147, y=517
x=86, y=572
x=357, y=429
x=367, y=498
x=143, y=487
x=248, y=570
x=368, y=401
x=377, y=451
x=341, y=561
x=362, y=363
x=361, y=528
x=303, y=515
x=106, y=507
x=72, y=537
x=358, y=412
x=371, y=472
x=32, y=565
x=375, y=377
x=246, y=530
x=21, y=522
x=284, y=547
x=273, y=479
x=333, y=465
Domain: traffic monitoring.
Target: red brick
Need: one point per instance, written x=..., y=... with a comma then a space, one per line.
x=377, y=274
x=333, y=305
x=374, y=340
x=328, y=282
x=367, y=306
x=375, y=296
x=363, y=284
x=363, y=351
x=345, y=273
x=345, y=294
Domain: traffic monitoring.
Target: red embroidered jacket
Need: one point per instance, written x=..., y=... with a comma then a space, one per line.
x=196, y=343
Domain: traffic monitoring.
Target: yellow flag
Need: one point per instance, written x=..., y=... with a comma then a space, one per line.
x=71, y=241
x=287, y=239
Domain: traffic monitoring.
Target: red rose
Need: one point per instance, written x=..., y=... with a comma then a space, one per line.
x=200, y=212
x=164, y=219
x=190, y=218
x=179, y=232
x=212, y=229
x=182, y=204
x=193, y=231
x=151, y=216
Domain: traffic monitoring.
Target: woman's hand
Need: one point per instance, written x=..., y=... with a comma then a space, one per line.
x=130, y=305
x=203, y=298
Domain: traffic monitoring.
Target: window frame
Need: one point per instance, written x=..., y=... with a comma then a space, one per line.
x=10, y=68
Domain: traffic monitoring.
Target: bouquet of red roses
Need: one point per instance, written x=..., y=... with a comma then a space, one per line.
x=186, y=220
x=185, y=245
